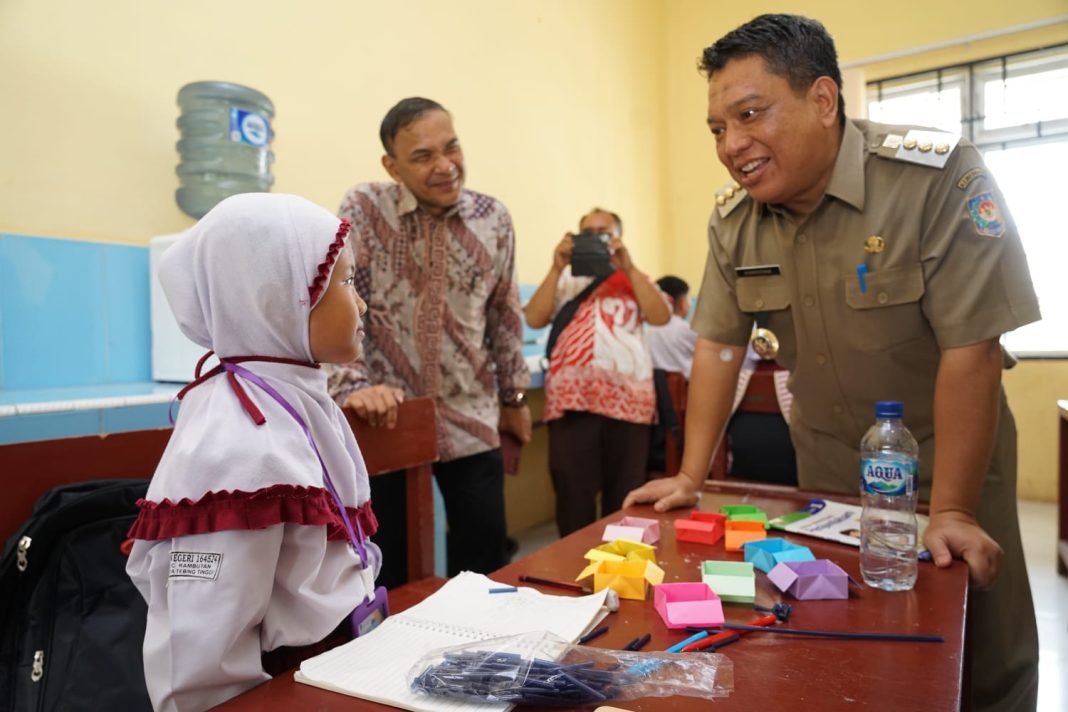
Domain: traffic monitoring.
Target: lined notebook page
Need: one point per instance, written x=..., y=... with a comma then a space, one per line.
x=376, y=666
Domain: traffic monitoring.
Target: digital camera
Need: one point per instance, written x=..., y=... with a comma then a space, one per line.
x=589, y=257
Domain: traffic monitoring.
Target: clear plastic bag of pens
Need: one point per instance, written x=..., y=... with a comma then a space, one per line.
x=542, y=669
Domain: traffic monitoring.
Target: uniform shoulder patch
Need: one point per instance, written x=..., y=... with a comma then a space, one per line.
x=925, y=148
x=969, y=176
x=730, y=196
x=986, y=214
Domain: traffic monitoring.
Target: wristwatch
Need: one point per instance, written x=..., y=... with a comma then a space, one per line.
x=513, y=398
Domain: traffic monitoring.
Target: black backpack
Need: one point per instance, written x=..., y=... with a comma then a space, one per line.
x=72, y=625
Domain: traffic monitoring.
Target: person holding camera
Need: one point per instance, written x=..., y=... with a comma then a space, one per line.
x=599, y=395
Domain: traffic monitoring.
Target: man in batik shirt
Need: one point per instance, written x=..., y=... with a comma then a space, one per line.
x=436, y=265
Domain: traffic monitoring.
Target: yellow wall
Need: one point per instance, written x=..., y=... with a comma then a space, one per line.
x=558, y=105
x=1033, y=388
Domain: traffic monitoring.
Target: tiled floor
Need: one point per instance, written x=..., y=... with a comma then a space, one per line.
x=1038, y=524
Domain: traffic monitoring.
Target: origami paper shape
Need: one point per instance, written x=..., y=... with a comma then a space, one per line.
x=627, y=578
x=811, y=580
x=621, y=550
x=646, y=531
x=750, y=517
x=768, y=553
x=739, y=532
x=687, y=604
x=731, y=509
x=732, y=581
x=708, y=517
x=708, y=532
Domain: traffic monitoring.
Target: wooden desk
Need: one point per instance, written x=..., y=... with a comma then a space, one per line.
x=770, y=671
x=1062, y=491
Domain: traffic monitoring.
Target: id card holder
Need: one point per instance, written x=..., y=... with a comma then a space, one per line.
x=368, y=615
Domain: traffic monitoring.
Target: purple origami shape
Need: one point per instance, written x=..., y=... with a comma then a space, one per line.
x=811, y=580
x=766, y=554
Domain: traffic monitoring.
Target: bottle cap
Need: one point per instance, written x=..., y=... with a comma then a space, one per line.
x=888, y=409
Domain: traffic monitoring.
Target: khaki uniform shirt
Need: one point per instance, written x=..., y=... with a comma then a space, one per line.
x=951, y=272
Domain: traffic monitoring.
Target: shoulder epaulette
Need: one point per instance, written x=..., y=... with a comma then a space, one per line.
x=729, y=197
x=925, y=148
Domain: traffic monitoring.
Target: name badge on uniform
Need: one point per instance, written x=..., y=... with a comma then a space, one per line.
x=757, y=271
x=194, y=565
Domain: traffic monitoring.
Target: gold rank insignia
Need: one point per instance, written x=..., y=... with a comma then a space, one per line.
x=874, y=245
x=729, y=197
x=926, y=148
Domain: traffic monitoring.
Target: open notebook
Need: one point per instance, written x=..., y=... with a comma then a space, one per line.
x=375, y=666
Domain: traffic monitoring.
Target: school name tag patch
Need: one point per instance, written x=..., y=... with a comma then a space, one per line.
x=195, y=565
x=986, y=215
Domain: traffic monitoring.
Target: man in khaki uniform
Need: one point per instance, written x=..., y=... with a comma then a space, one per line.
x=883, y=261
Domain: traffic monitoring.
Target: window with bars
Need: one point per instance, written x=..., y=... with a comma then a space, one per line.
x=1015, y=109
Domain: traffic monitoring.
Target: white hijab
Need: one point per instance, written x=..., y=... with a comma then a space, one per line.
x=238, y=283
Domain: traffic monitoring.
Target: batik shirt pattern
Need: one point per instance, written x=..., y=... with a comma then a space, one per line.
x=443, y=313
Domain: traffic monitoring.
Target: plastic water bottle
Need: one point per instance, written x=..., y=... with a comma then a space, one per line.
x=224, y=146
x=889, y=472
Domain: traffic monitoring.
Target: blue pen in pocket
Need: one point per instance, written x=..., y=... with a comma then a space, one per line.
x=862, y=271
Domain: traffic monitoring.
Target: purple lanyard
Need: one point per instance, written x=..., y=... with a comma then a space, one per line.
x=356, y=541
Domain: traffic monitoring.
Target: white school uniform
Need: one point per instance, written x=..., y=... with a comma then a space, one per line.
x=239, y=547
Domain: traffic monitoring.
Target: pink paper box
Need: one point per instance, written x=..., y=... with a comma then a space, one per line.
x=698, y=532
x=811, y=580
x=687, y=604
x=646, y=531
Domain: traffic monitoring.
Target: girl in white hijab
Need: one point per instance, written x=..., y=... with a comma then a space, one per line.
x=253, y=531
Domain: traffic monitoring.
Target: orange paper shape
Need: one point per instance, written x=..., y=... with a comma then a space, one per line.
x=740, y=531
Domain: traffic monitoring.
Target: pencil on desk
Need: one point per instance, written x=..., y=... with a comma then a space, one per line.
x=565, y=585
x=593, y=634
x=639, y=643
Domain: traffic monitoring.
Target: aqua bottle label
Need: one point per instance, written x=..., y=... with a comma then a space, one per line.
x=249, y=127
x=889, y=477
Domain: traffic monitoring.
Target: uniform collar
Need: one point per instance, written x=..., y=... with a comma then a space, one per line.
x=407, y=203
x=847, y=178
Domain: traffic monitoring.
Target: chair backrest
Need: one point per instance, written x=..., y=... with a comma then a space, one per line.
x=678, y=387
x=30, y=469
x=411, y=445
x=760, y=397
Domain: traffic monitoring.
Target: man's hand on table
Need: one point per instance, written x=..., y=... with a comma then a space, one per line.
x=956, y=534
x=666, y=493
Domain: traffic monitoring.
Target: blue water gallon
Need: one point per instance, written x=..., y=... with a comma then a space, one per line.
x=225, y=144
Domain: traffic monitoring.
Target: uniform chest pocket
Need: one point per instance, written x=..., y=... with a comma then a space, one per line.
x=888, y=312
x=762, y=294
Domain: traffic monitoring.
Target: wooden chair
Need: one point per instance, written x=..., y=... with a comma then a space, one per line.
x=760, y=397
x=678, y=388
x=28, y=470
x=412, y=445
